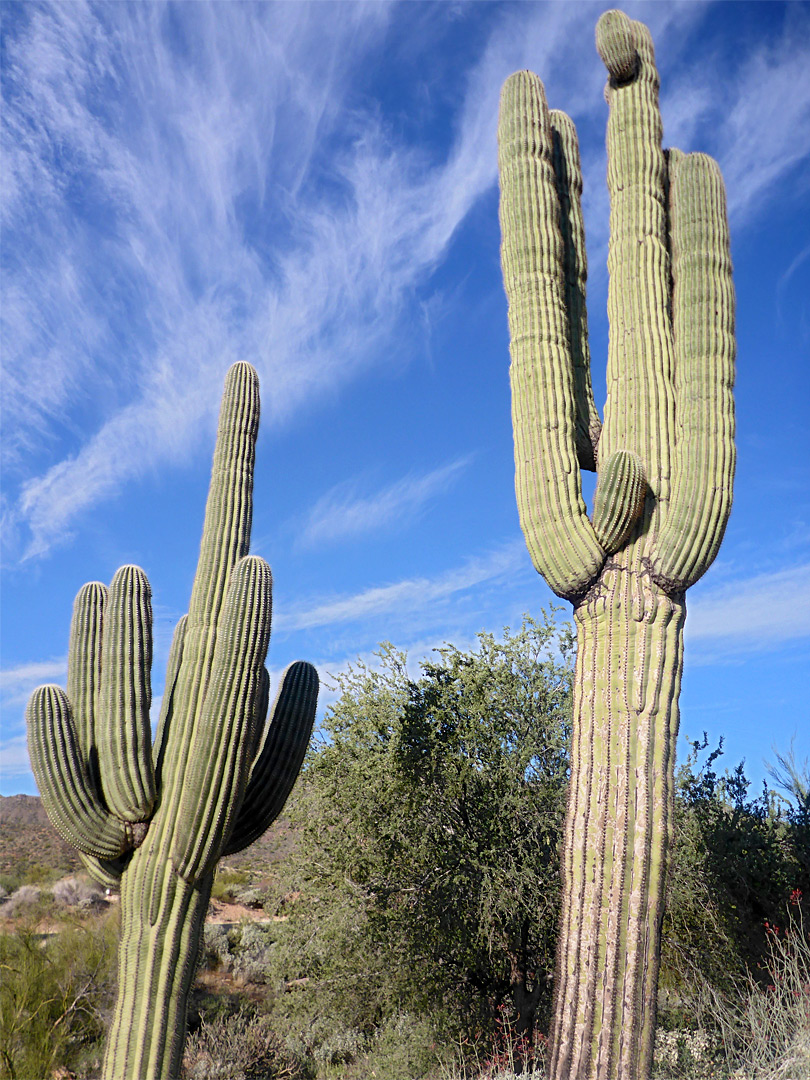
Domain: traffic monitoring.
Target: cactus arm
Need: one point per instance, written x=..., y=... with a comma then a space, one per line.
x=558, y=534
x=639, y=411
x=218, y=761
x=107, y=872
x=73, y=805
x=703, y=327
x=84, y=670
x=619, y=499
x=228, y=511
x=260, y=717
x=278, y=763
x=125, y=734
x=568, y=173
x=83, y=683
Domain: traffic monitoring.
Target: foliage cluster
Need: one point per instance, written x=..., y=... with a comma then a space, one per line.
x=56, y=992
x=737, y=859
x=427, y=876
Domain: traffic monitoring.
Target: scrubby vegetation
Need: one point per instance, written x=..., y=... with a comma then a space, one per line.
x=403, y=926
x=55, y=994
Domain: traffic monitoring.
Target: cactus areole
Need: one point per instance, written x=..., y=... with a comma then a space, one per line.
x=157, y=818
x=664, y=458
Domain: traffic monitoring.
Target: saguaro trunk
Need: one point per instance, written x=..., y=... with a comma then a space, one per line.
x=618, y=825
x=665, y=463
x=162, y=919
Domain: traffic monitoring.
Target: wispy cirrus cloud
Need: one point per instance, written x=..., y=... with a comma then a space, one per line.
x=16, y=686
x=215, y=191
x=343, y=512
x=757, y=124
x=16, y=683
x=14, y=761
x=752, y=614
x=191, y=184
x=412, y=596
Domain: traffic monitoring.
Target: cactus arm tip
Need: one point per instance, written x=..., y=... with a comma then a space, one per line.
x=616, y=44
x=621, y=489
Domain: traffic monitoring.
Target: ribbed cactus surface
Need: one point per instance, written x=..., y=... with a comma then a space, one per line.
x=664, y=457
x=158, y=818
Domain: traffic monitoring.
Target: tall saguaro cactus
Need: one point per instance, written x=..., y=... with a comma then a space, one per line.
x=160, y=817
x=665, y=462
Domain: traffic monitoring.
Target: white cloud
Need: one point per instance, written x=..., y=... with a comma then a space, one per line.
x=19, y=682
x=413, y=595
x=756, y=122
x=208, y=239
x=14, y=761
x=750, y=615
x=342, y=512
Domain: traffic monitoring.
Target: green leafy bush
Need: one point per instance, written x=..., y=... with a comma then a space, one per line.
x=55, y=994
x=228, y=882
x=427, y=880
x=736, y=860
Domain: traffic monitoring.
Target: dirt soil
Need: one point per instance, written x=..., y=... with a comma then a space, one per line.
x=221, y=912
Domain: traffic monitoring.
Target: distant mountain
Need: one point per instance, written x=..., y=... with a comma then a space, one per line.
x=30, y=847
x=28, y=839
x=25, y=809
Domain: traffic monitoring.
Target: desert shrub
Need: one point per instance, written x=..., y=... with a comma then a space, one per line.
x=769, y=1030
x=217, y=946
x=25, y=900
x=251, y=952
x=736, y=858
x=403, y=1047
x=251, y=897
x=227, y=883
x=240, y=1047
x=431, y=814
x=687, y=1053
x=76, y=893
x=55, y=996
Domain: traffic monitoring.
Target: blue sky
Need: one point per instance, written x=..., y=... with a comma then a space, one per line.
x=314, y=189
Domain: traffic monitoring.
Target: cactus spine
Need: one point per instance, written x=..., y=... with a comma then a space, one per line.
x=665, y=464
x=158, y=818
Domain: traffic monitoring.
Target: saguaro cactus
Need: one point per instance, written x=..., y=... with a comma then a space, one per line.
x=665, y=464
x=160, y=817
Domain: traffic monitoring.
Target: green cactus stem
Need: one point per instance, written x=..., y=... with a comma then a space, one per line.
x=665, y=463
x=157, y=819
